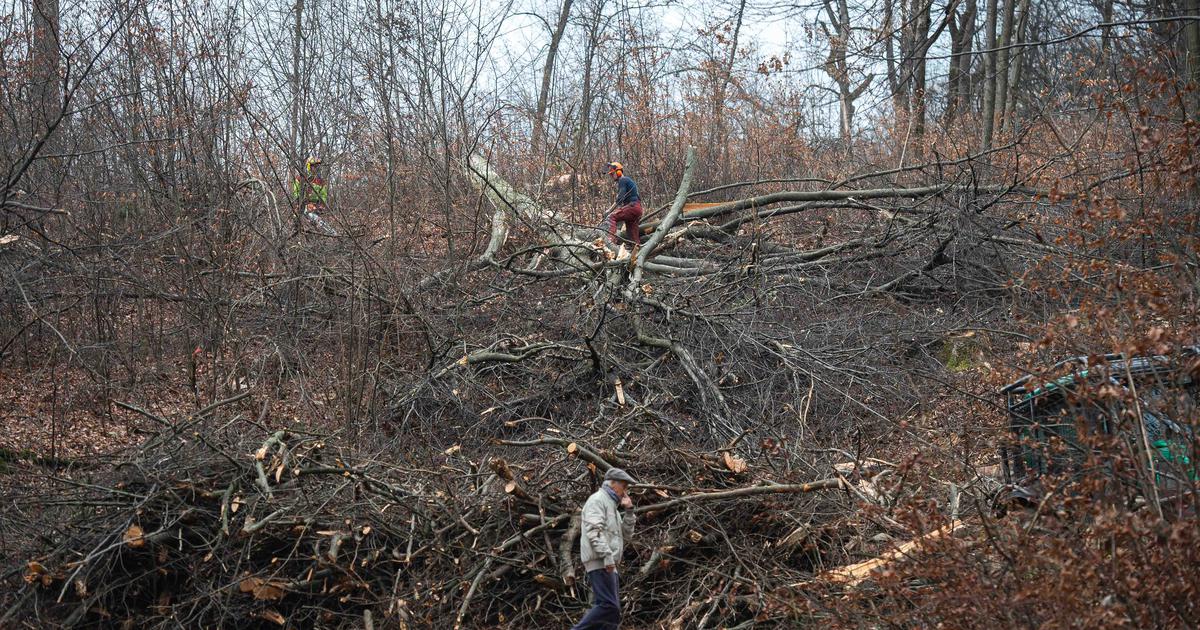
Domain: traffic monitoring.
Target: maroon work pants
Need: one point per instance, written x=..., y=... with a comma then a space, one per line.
x=630, y=215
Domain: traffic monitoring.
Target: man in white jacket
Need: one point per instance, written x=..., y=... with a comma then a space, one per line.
x=607, y=521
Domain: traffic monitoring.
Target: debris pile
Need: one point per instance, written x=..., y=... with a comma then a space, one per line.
x=247, y=527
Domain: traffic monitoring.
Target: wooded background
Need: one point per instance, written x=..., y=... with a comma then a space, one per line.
x=892, y=209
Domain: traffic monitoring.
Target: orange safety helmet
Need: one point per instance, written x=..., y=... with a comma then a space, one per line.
x=615, y=167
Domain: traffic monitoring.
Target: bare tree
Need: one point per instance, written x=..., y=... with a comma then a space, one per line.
x=907, y=74
x=958, y=84
x=595, y=21
x=1003, y=60
x=543, y=101
x=47, y=63
x=837, y=66
x=990, y=66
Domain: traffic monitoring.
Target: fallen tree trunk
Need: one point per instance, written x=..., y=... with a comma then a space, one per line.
x=807, y=196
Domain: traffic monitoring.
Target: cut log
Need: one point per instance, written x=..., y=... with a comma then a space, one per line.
x=854, y=574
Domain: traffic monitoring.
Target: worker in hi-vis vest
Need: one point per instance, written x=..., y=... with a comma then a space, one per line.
x=310, y=192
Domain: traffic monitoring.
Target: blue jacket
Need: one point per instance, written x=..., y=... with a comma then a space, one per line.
x=627, y=191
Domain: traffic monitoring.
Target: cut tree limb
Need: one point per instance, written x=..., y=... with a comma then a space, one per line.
x=574, y=449
x=854, y=574
x=820, y=484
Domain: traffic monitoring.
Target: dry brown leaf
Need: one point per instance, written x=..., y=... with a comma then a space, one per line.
x=453, y=449
x=734, y=463
x=37, y=571
x=262, y=589
x=134, y=537
x=662, y=493
x=261, y=453
x=235, y=504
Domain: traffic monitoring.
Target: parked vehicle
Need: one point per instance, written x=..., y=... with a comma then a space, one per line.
x=1051, y=422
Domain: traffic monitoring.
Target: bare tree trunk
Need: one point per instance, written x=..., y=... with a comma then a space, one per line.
x=962, y=32
x=1014, y=74
x=989, y=75
x=385, y=82
x=897, y=69
x=1106, y=16
x=838, y=68
x=720, y=135
x=920, y=48
x=889, y=48
x=47, y=108
x=46, y=63
x=539, y=119
x=297, y=138
x=1192, y=37
x=585, y=105
x=1003, y=57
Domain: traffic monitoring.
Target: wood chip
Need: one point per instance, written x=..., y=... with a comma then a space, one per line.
x=273, y=616
x=134, y=537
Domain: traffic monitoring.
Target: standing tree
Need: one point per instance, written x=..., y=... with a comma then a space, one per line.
x=958, y=84
x=837, y=66
x=543, y=101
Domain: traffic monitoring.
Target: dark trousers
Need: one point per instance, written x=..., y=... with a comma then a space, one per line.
x=605, y=613
x=629, y=215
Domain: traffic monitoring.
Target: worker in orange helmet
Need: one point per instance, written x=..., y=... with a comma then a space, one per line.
x=627, y=207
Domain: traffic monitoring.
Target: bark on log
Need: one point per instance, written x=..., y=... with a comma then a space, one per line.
x=821, y=484
x=848, y=195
